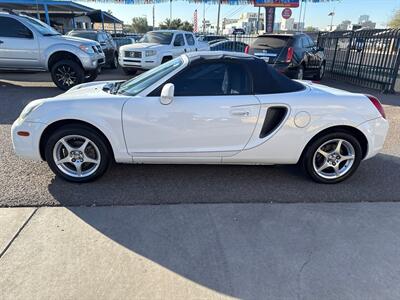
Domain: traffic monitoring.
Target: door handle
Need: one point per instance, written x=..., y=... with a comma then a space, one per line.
x=240, y=113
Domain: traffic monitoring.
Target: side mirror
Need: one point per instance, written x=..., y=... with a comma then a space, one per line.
x=167, y=94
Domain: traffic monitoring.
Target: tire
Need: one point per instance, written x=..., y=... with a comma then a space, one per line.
x=165, y=59
x=321, y=72
x=300, y=73
x=114, y=62
x=321, y=165
x=129, y=71
x=91, y=76
x=66, y=74
x=64, y=146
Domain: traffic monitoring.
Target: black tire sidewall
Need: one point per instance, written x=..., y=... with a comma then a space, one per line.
x=307, y=161
x=82, y=131
x=80, y=74
x=114, y=63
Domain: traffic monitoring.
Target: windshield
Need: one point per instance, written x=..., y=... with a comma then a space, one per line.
x=157, y=37
x=84, y=34
x=43, y=28
x=139, y=83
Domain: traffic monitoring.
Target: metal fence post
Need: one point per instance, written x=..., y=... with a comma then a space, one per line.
x=334, y=55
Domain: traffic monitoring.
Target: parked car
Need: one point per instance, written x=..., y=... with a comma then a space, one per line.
x=122, y=41
x=232, y=46
x=106, y=42
x=29, y=44
x=209, y=38
x=157, y=47
x=294, y=55
x=203, y=108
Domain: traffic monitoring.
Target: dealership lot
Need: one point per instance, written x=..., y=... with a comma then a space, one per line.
x=25, y=183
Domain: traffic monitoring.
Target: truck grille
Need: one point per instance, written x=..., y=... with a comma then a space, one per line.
x=133, y=54
x=97, y=49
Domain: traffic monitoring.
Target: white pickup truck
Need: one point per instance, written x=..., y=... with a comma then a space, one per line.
x=157, y=47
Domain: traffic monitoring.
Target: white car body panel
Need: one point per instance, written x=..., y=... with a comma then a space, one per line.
x=217, y=129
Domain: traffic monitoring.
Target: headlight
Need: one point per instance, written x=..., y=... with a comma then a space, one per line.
x=87, y=49
x=150, y=53
x=28, y=109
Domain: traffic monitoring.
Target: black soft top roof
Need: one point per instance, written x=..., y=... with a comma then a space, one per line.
x=266, y=80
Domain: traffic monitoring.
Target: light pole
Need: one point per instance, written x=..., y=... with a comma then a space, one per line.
x=219, y=14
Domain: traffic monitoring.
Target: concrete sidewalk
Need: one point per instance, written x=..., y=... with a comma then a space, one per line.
x=209, y=251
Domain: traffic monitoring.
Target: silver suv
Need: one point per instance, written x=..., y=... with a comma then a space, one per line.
x=29, y=44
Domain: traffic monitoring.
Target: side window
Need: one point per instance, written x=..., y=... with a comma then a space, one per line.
x=189, y=39
x=213, y=79
x=179, y=41
x=12, y=28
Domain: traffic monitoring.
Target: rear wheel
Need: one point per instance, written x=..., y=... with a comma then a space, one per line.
x=77, y=153
x=129, y=71
x=332, y=158
x=66, y=74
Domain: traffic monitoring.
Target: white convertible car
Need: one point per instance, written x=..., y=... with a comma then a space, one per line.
x=203, y=108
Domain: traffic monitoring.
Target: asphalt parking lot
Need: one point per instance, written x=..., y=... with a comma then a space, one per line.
x=26, y=183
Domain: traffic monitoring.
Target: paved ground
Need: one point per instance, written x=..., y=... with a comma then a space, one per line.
x=25, y=183
x=293, y=251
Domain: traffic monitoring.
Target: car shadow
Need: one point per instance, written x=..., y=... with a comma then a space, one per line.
x=245, y=251
x=376, y=180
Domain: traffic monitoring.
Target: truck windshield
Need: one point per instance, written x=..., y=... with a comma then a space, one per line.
x=164, y=38
x=84, y=34
x=43, y=28
x=140, y=83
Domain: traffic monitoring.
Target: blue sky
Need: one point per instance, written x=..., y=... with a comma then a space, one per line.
x=380, y=11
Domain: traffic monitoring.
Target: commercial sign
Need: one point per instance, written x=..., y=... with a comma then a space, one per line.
x=269, y=19
x=286, y=13
x=276, y=3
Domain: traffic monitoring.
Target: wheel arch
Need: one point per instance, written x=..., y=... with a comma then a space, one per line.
x=358, y=134
x=51, y=128
x=62, y=55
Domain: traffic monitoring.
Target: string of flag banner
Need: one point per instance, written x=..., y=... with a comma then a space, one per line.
x=266, y=3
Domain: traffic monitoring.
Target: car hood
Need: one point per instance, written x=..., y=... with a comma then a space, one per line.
x=86, y=90
x=143, y=46
x=75, y=40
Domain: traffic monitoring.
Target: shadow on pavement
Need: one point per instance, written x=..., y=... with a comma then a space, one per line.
x=265, y=251
x=376, y=180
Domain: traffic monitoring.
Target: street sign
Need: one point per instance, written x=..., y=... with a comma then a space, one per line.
x=286, y=13
x=276, y=3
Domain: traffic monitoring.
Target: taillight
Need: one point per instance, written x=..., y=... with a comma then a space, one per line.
x=289, y=55
x=246, y=50
x=377, y=104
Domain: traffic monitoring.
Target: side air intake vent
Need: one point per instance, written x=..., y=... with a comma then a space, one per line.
x=274, y=117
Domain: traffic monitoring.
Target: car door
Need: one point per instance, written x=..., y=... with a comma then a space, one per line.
x=19, y=47
x=190, y=41
x=308, y=54
x=213, y=114
x=178, y=45
x=102, y=39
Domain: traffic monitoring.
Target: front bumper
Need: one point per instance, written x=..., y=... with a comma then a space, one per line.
x=27, y=146
x=92, y=61
x=144, y=63
x=375, y=131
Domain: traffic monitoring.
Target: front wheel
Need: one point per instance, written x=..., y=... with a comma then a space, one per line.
x=77, y=153
x=332, y=158
x=114, y=62
x=66, y=74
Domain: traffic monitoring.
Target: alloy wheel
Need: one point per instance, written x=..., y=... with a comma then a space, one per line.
x=76, y=156
x=334, y=158
x=66, y=76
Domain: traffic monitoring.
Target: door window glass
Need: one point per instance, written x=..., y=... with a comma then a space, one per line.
x=213, y=79
x=189, y=39
x=12, y=28
x=179, y=42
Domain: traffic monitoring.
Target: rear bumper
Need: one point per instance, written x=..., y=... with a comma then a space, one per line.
x=375, y=132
